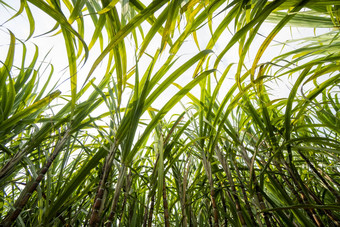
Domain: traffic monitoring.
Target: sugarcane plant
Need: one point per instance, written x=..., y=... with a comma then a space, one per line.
x=173, y=113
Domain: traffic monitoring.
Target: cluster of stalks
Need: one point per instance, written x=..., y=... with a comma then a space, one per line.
x=112, y=154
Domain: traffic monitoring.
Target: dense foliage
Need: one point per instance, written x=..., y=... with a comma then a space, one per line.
x=115, y=149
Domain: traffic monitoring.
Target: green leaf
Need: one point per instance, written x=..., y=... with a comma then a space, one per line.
x=37, y=106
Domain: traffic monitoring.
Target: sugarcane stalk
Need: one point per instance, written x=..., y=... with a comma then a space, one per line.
x=126, y=193
x=262, y=205
x=165, y=205
x=245, y=197
x=145, y=216
x=303, y=191
x=225, y=209
x=226, y=169
x=152, y=206
x=148, y=213
x=33, y=184
x=212, y=191
x=184, y=190
x=118, y=189
x=96, y=211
